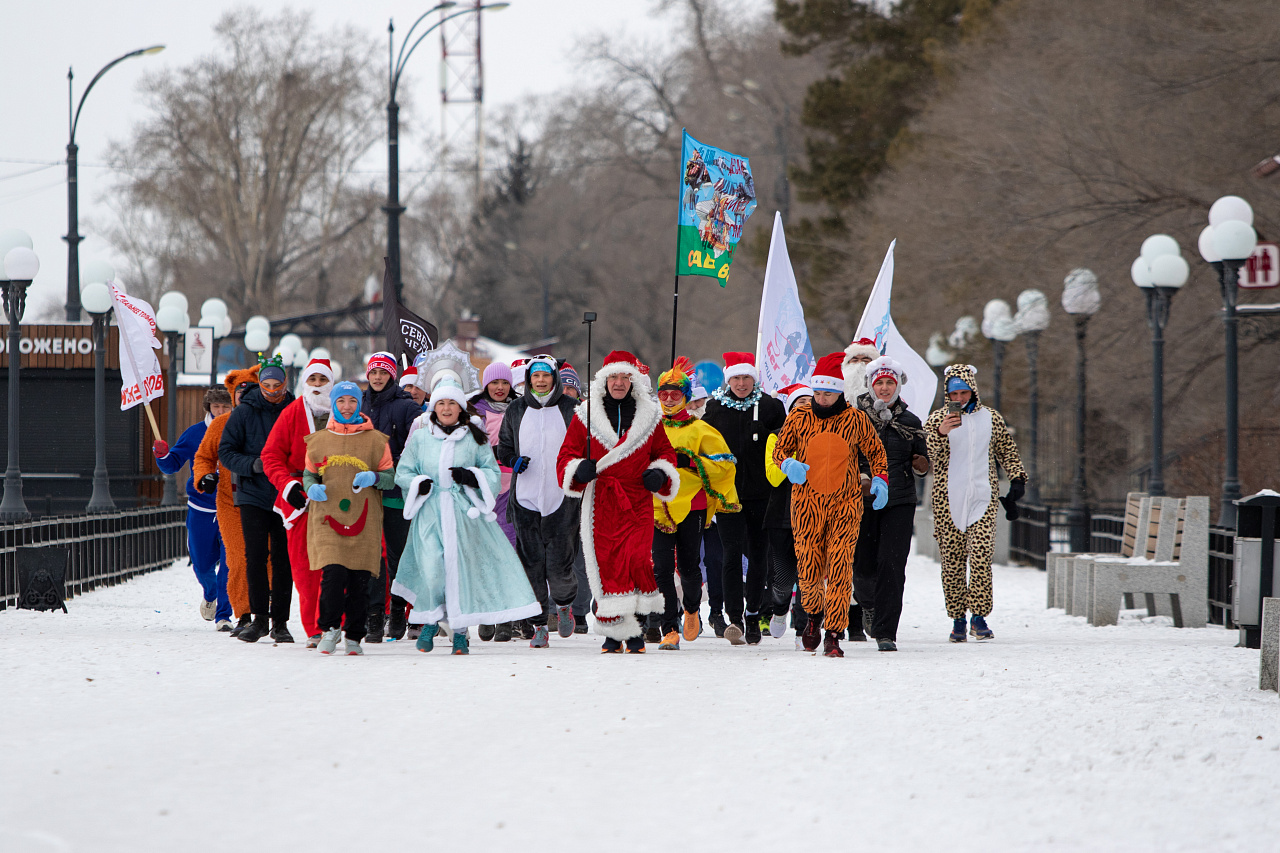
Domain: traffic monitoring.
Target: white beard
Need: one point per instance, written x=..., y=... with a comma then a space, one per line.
x=318, y=398
x=855, y=380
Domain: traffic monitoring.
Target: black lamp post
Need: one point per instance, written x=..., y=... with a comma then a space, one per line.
x=1032, y=319
x=73, y=201
x=396, y=63
x=1081, y=299
x=20, y=268
x=96, y=299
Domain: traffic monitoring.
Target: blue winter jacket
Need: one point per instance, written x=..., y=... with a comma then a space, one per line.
x=184, y=453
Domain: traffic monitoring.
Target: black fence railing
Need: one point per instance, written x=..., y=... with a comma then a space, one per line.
x=106, y=548
x=1041, y=529
x=1029, y=536
x=1106, y=533
x=1222, y=566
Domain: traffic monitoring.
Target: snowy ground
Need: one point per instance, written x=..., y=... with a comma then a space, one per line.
x=129, y=725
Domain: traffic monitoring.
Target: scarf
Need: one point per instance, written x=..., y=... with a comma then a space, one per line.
x=726, y=398
x=834, y=409
x=885, y=416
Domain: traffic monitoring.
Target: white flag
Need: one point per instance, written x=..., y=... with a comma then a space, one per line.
x=877, y=324
x=141, y=379
x=784, y=355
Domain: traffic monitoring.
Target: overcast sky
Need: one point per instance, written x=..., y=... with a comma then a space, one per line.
x=528, y=49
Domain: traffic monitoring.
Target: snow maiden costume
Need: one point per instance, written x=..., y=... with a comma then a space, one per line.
x=616, y=469
x=457, y=565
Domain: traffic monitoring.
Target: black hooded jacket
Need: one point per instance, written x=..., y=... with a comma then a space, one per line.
x=242, y=441
x=392, y=412
x=746, y=433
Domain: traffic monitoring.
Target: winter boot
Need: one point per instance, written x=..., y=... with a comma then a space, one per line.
x=812, y=632
x=831, y=646
x=733, y=633
x=241, y=624
x=565, y=623
x=460, y=644
x=957, y=631
x=397, y=624
x=314, y=640
x=374, y=630
x=223, y=626
x=611, y=647
x=487, y=632
x=255, y=630
x=653, y=631
x=753, y=629
x=777, y=626
x=353, y=648
x=884, y=644
x=717, y=623
x=329, y=641
x=692, y=626
x=978, y=627
x=580, y=624
x=280, y=633
x=540, y=635
x=670, y=642
x=855, y=633
x=502, y=633
x=635, y=646
x=426, y=639
x=208, y=609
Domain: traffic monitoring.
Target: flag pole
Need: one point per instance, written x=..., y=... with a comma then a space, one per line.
x=589, y=317
x=675, y=304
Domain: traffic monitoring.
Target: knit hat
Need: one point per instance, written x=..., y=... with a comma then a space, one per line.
x=410, y=377
x=569, y=377
x=272, y=368
x=792, y=393
x=828, y=376
x=347, y=389
x=544, y=364
x=385, y=361
x=494, y=371
x=447, y=388
x=739, y=364
x=885, y=366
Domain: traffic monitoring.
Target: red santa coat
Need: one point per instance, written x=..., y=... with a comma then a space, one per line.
x=617, y=510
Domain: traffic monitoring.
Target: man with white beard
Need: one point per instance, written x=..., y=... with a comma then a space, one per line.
x=283, y=461
x=857, y=356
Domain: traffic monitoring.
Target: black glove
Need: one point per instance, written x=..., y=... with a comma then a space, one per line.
x=1017, y=489
x=464, y=477
x=257, y=465
x=424, y=488
x=586, y=471
x=1010, y=508
x=296, y=498
x=683, y=461
x=520, y=465
x=208, y=484
x=654, y=480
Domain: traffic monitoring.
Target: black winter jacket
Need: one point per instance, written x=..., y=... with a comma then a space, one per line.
x=241, y=446
x=898, y=450
x=746, y=433
x=392, y=412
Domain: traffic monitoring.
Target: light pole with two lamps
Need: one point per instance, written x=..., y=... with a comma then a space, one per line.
x=96, y=299
x=1081, y=299
x=20, y=266
x=1032, y=319
x=213, y=315
x=172, y=319
x=999, y=328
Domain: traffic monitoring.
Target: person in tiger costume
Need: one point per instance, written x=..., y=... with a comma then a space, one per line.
x=818, y=450
x=964, y=448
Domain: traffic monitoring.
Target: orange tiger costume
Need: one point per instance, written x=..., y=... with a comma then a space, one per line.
x=826, y=510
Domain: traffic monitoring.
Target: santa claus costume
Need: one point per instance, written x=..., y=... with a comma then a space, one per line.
x=284, y=458
x=616, y=463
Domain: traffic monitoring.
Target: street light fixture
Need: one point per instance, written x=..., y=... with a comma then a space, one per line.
x=96, y=299
x=1032, y=319
x=1160, y=271
x=73, y=192
x=19, y=269
x=213, y=314
x=172, y=319
x=393, y=208
x=1081, y=299
x=999, y=328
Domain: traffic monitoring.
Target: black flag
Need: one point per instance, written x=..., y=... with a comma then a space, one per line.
x=407, y=334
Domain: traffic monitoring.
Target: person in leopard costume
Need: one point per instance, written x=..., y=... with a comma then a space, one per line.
x=964, y=448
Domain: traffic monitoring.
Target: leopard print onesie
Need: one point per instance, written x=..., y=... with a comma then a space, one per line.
x=972, y=546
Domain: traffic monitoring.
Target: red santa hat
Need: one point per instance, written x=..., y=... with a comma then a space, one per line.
x=828, y=376
x=618, y=361
x=317, y=367
x=861, y=348
x=739, y=364
x=792, y=393
x=410, y=377
x=384, y=360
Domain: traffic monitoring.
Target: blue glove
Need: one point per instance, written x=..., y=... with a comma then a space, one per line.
x=317, y=492
x=364, y=479
x=796, y=471
x=520, y=465
x=879, y=493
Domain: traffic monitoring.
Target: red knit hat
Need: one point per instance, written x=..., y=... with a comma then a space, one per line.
x=828, y=376
x=792, y=393
x=384, y=360
x=739, y=364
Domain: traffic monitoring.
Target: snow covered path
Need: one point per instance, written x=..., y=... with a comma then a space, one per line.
x=130, y=725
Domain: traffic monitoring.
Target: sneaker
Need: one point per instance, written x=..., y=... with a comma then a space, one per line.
x=329, y=641
x=611, y=647
x=717, y=623
x=777, y=626
x=396, y=624
x=501, y=633
x=254, y=631
x=540, y=635
x=692, y=626
x=733, y=633
x=580, y=624
x=957, y=631
x=831, y=646
x=653, y=634
x=486, y=632
x=753, y=629
x=208, y=609
x=223, y=625
x=314, y=640
x=353, y=648
x=670, y=642
x=426, y=639
x=884, y=644
x=812, y=632
x=868, y=619
x=280, y=633
x=764, y=623
x=413, y=632
x=800, y=643
x=241, y=624
x=635, y=646
x=460, y=645
x=374, y=630
x=565, y=623
x=978, y=627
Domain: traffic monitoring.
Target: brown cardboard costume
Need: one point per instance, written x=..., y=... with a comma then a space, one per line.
x=345, y=529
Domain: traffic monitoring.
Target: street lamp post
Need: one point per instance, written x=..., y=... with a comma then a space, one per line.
x=172, y=319
x=20, y=268
x=213, y=314
x=1160, y=271
x=73, y=237
x=1226, y=243
x=1032, y=319
x=999, y=328
x=96, y=299
x=1081, y=299
x=938, y=357
x=396, y=63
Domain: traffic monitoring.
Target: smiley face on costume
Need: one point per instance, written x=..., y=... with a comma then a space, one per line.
x=352, y=513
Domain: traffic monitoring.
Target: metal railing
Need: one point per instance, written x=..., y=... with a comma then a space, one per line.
x=1029, y=536
x=105, y=548
x=1222, y=565
x=1106, y=533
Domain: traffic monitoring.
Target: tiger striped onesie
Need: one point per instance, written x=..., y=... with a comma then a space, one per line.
x=826, y=510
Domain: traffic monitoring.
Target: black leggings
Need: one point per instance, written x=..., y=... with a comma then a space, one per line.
x=679, y=550
x=343, y=595
x=264, y=535
x=782, y=555
x=395, y=532
x=742, y=534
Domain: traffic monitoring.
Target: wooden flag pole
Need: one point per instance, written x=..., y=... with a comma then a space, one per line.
x=155, y=427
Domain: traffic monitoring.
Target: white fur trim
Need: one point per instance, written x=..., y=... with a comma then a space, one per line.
x=743, y=369
x=855, y=349
x=885, y=362
x=294, y=514
x=571, y=468
x=447, y=392
x=819, y=382
x=673, y=479
x=482, y=499
x=412, y=500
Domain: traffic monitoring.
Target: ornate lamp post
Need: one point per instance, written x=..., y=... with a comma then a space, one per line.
x=1226, y=243
x=938, y=356
x=96, y=299
x=172, y=319
x=1032, y=319
x=20, y=268
x=213, y=314
x=1160, y=271
x=999, y=328
x=1081, y=299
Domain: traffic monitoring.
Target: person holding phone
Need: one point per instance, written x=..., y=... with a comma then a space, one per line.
x=966, y=439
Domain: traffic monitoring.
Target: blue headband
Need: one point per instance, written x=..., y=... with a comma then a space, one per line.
x=347, y=389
